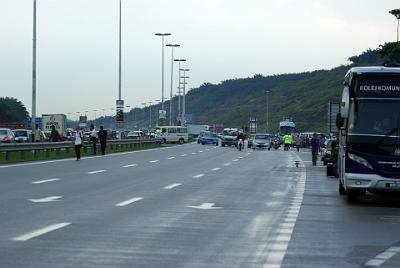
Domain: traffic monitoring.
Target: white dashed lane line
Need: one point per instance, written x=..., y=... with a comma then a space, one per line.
x=170, y=158
x=44, y=181
x=154, y=161
x=183, y=154
x=129, y=201
x=97, y=171
x=172, y=186
x=215, y=169
x=130, y=165
x=382, y=257
x=42, y=231
x=198, y=176
x=227, y=164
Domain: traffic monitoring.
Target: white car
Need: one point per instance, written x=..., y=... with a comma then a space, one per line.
x=22, y=135
x=6, y=135
x=135, y=134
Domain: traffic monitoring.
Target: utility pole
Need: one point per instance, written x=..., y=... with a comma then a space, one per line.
x=33, y=122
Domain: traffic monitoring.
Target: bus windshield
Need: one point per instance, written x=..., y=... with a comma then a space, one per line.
x=375, y=117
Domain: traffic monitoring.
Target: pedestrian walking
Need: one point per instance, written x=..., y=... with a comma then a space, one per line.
x=298, y=142
x=78, y=141
x=314, y=142
x=93, y=138
x=103, y=140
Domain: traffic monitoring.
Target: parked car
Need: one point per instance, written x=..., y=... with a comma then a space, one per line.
x=262, y=141
x=6, y=135
x=209, y=138
x=326, y=151
x=22, y=135
x=135, y=134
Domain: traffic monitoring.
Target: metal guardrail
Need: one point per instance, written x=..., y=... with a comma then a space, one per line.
x=48, y=147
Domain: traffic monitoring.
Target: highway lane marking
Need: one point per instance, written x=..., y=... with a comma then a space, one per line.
x=172, y=186
x=154, y=161
x=215, y=169
x=235, y=160
x=183, y=154
x=97, y=171
x=200, y=151
x=130, y=165
x=205, y=206
x=42, y=231
x=227, y=164
x=240, y=157
x=129, y=201
x=44, y=181
x=193, y=153
x=46, y=199
x=383, y=257
x=198, y=176
x=170, y=158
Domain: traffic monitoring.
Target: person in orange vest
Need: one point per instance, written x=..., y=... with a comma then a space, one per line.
x=298, y=142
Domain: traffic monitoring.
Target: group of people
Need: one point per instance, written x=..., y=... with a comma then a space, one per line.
x=94, y=138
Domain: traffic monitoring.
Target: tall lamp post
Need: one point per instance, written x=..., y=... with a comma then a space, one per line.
x=162, y=67
x=267, y=110
x=396, y=13
x=184, y=95
x=172, y=77
x=33, y=123
x=150, y=102
x=179, y=87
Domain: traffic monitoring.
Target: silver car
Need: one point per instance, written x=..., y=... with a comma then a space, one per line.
x=262, y=141
x=22, y=135
x=6, y=135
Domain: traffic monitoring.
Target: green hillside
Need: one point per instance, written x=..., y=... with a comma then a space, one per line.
x=302, y=96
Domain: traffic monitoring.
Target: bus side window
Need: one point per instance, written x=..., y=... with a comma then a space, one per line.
x=172, y=130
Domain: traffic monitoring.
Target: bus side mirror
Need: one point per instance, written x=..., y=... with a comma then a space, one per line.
x=339, y=121
x=345, y=103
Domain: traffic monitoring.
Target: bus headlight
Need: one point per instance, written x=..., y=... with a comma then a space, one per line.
x=360, y=160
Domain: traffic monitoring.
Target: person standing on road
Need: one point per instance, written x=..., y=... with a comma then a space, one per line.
x=93, y=138
x=298, y=142
x=103, y=140
x=314, y=142
x=54, y=135
x=78, y=141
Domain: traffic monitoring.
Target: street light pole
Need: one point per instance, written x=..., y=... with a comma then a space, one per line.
x=184, y=95
x=33, y=123
x=179, y=87
x=267, y=108
x=150, y=102
x=396, y=13
x=119, y=73
x=162, y=66
x=172, y=77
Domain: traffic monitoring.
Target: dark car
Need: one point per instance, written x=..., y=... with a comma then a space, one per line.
x=262, y=141
x=209, y=138
x=326, y=152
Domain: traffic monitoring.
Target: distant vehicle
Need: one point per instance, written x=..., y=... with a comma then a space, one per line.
x=22, y=135
x=202, y=134
x=195, y=130
x=326, y=151
x=229, y=137
x=369, y=139
x=173, y=134
x=6, y=135
x=286, y=126
x=250, y=141
x=209, y=138
x=56, y=120
x=136, y=134
x=262, y=141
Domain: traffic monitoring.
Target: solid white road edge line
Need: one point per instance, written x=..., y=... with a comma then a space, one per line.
x=44, y=181
x=169, y=187
x=129, y=201
x=97, y=171
x=41, y=231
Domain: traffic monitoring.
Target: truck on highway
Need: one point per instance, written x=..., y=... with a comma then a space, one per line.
x=56, y=120
x=369, y=138
x=229, y=137
x=195, y=130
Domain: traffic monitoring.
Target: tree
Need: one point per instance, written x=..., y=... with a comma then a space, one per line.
x=390, y=53
x=12, y=110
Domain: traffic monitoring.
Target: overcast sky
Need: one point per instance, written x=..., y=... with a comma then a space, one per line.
x=77, y=44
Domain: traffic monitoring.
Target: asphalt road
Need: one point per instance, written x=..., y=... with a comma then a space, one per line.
x=190, y=206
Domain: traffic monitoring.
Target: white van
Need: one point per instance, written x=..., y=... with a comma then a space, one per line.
x=173, y=134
